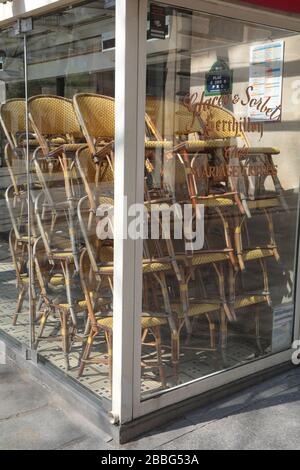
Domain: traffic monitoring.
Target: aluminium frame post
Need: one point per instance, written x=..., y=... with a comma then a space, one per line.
x=128, y=190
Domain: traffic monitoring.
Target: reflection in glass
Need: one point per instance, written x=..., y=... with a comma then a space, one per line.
x=229, y=146
x=71, y=133
x=14, y=239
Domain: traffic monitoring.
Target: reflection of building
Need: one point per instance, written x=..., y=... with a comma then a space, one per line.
x=207, y=319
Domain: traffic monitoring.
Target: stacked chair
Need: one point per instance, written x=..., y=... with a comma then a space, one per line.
x=233, y=199
x=72, y=157
x=13, y=123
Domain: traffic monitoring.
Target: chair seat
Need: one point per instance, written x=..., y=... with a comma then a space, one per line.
x=57, y=280
x=198, y=145
x=245, y=301
x=154, y=144
x=154, y=266
x=25, y=278
x=195, y=309
x=151, y=267
x=216, y=201
x=100, y=300
x=257, y=253
x=261, y=150
x=204, y=258
x=263, y=203
x=62, y=255
x=72, y=147
x=146, y=322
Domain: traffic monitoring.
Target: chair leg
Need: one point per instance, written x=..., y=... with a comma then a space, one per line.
x=157, y=336
x=19, y=305
x=257, y=330
x=227, y=236
x=175, y=353
x=86, y=352
x=223, y=338
x=66, y=271
x=263, y=265
x=43, y=322
x=272, y=234
x=212, y=332
x=239, y=220
x=65, y=337
x=109, y=340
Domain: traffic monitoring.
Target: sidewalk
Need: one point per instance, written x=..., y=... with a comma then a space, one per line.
x=266, y=416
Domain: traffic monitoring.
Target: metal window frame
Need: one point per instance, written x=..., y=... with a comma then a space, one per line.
x=127, y=404
x=131, y=25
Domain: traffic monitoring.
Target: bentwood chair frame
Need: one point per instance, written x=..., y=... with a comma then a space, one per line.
x=21, y=243
x=186, y=308
x=266, y=202
x=234, y=198
x=56, y=303
x=241, y=183
x=154, y=266
x=101, y=320
x=13, y=122
x=59, y=135
x=184, y=149
x=96, y=115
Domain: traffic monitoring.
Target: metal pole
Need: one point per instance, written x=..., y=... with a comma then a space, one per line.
x=29, y=210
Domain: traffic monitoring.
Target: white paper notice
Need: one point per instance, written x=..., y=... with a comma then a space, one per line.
x=266, y=66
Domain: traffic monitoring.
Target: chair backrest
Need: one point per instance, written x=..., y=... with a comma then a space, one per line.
x=96, y=114
x=53, y=116
x=19, y=256
x=89, y=218
x=13, y=119
x=172, y=119
x=16, y=202
x=220, y=123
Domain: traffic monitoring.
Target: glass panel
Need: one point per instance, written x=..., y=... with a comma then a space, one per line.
x=14, y=240
x=222, y=154
x=71, y=110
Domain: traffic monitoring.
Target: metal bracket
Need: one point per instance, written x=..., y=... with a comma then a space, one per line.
x=29, y=354
x=23, y=25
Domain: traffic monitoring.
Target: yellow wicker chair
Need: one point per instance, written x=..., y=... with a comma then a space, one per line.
x=13, y=122
x=20, y=242
x=56, y=302
x=101, y=321
x=96, y=114
x=59, y=135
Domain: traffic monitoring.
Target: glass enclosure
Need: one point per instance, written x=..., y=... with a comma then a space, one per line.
x=70, y=84
x=219, y=104
x=221, y=185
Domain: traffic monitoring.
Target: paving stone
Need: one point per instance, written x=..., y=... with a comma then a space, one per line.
x=269, y=424
x=45, y=429
x=18, y=395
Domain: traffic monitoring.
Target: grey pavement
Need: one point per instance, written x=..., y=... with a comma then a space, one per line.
x=264, y=416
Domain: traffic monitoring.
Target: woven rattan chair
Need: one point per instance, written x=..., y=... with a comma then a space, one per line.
x=96, y=114
x=13, y=122
x=259, y=201
x=59, y=135
x=56, y=303
x=21, y=243
x=187, y=306
x=58, y=249
x=196, y=153
x=101, y=320
x=101, y=265
x=185, y=129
